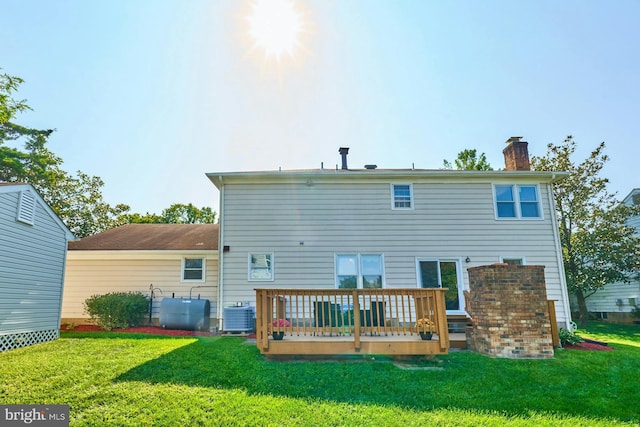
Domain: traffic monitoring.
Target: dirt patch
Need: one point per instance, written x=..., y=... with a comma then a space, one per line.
x=151, y=330
x=589, y=345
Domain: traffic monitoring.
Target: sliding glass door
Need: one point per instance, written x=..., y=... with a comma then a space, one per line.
x=442, y=273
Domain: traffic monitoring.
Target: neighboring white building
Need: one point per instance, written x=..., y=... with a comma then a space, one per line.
x=33, y=246
x=178, y=260
x=615, y=301
x=385, y=228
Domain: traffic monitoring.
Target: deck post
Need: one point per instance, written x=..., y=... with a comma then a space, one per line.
x=262, y=337
x=441, y=316
x=356, y=320
x=555, y=335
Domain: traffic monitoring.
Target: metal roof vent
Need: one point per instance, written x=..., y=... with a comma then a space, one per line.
x=371, y=167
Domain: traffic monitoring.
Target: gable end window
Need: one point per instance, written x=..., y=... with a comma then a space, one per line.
x=517, y=201
x=193, y=270
x=27, y=208
x=402, y=196
x=261, y=267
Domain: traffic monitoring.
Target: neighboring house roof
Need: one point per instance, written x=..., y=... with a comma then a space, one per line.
x=633, y=198
x=15, y=187
x=219, y=178
x=131, y=237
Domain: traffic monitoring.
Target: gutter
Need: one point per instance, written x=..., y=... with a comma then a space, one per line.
x=220, y=257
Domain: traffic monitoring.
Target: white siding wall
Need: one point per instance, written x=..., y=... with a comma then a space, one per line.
x=31, y=269
x=450, y=219
x=101, y=272
x=605, y=299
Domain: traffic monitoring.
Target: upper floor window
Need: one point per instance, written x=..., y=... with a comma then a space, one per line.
x=402, y=196
x=193, y=269
x=517, y=201
x=359, y=271
x=261, y=267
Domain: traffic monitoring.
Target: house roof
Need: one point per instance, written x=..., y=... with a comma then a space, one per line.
x=220, y=178
x=131, y=237
x=633, y=197
x=10, y=187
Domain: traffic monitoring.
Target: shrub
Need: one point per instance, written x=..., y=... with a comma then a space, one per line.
x=636, y=312
x=568, y=337
x=117, y=309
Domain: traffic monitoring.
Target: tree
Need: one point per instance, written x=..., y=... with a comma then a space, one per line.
x=174, y=214
x=188, y=214
x=136, y=218
x=598, y=246
x=468, y=160
x=77, y=200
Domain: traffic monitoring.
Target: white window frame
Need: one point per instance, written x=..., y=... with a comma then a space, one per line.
x=459, y=276
x=27, y=208
x=521, y=258
x=359, y=273
x=393, y=197
x=184, y=268
x=270, y=267
x=517, y=202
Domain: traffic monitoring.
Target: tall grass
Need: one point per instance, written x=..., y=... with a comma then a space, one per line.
x=122, y=379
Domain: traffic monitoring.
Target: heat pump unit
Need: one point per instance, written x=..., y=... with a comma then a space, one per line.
x=238, y=319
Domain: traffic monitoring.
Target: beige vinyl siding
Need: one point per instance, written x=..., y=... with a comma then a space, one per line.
x=450, y=220
x=100, y=272
x=32, y=261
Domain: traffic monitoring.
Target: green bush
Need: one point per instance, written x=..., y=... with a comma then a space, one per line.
x=117, y=309
x=568, y=337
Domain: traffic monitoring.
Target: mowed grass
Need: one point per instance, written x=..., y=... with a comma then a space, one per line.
x=112, y=379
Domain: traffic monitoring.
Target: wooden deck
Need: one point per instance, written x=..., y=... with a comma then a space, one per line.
x=350, y=321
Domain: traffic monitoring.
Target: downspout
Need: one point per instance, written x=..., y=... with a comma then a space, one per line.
x=556, y=238
x=220, y=257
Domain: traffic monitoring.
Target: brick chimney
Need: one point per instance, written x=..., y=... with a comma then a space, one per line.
x=516, y=155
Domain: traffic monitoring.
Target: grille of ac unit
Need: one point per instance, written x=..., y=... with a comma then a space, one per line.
x=238, y=319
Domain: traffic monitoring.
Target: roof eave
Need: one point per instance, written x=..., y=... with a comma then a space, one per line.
x=219, y=178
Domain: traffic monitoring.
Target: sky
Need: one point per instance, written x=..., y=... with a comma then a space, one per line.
x=150, y=95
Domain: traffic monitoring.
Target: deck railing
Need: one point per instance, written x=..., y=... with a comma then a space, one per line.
x=338, y=321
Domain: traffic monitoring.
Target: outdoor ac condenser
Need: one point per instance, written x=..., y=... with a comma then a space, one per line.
x=238, y=319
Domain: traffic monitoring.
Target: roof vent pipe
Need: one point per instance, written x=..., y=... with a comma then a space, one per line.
x=343, y=152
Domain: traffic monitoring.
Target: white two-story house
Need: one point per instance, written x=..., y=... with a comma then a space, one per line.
x=388, y=228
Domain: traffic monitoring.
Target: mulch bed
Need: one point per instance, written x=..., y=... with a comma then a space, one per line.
x=587, y=344
x=152, y=330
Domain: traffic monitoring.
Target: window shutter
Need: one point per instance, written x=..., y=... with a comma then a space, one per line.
x=27, y=207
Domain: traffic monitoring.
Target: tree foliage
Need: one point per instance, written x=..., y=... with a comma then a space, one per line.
x=77, y=200
x=175, y=214
x=469, y=160
x=598, y=245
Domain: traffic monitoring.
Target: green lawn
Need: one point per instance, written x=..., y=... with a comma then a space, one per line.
x=123, y=379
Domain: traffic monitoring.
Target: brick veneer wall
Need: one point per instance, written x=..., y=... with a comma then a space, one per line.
x=508, y=307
